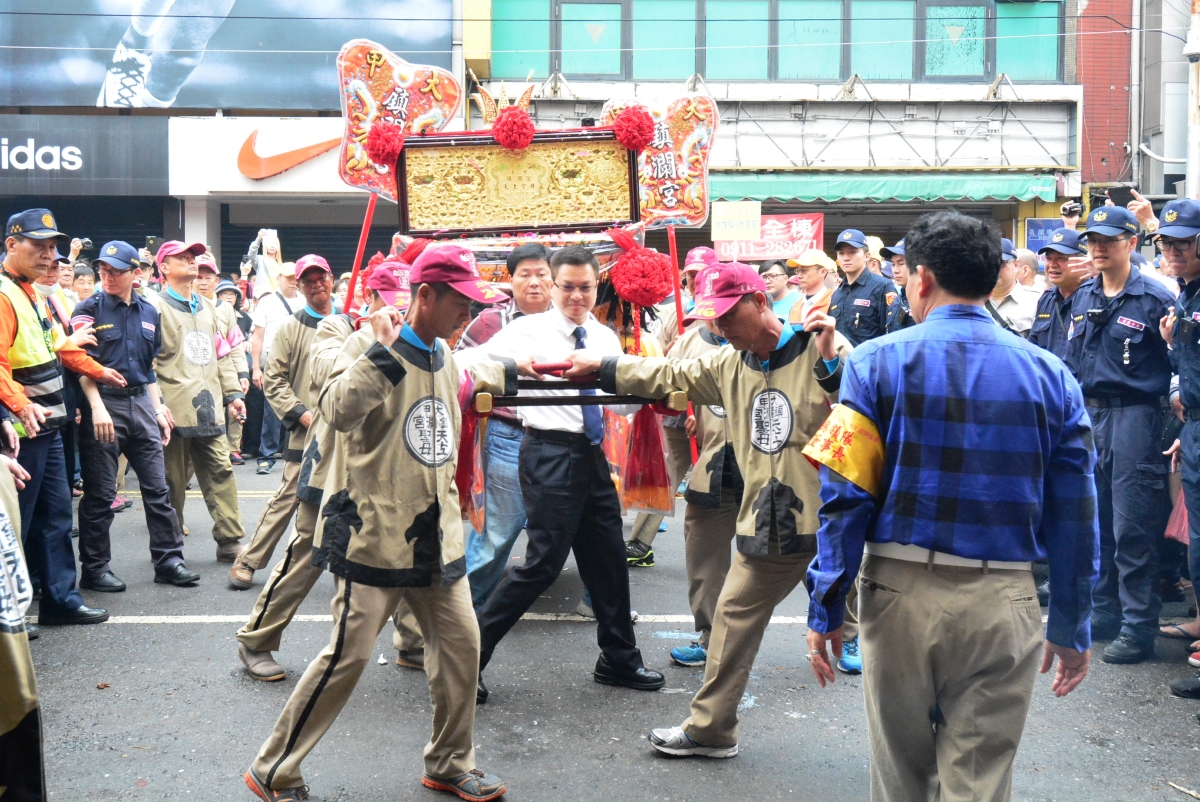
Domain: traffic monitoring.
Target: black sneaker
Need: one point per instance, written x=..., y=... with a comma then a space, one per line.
x=639, y=554
x=1127, y=649
x=1186, y=687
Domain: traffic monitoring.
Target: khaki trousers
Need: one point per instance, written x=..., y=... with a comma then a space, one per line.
x=233, y=433
x=753, y=588
x=947, y=699
x=209, y=458
x=679, y=462
x=707, y=533
x=289, y=584
x=360, y=612
x=273, y=523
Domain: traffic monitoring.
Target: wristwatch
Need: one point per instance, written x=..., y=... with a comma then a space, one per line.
x=1152, y=226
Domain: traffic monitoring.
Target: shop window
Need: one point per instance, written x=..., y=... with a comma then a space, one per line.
x=881, y=35
x=1027, y=37
x=591, y=39
x=664, y=39
x=737, y=40
x=520, y=38
x=955, y=41
x=810, y=40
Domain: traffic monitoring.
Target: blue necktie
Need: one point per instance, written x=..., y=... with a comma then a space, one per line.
x=593, y=419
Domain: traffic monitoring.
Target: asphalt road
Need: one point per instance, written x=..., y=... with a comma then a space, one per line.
x=178, y=719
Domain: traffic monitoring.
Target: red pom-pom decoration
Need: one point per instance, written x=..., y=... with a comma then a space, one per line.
x=513, y=129
x=641, y=275
x=634, y=128
x=384, y=143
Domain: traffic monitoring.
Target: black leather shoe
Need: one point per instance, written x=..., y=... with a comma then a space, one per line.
x=643, y=679
x=481, y=692
x=107, y=582
x=1127, y=649
x=33, y=630
x=80, y=615
x=1187, y=687
x=178, y=574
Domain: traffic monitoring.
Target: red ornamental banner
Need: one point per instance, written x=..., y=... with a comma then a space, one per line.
x=379, y=86
x=784, y=236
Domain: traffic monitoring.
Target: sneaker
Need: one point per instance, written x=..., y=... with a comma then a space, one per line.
x=1186, y=687
x=681, y=491
x=639, y=554
x=260, y=790
x=235, y=458
x=120, y=504
x=125, y=82
x=693, y=655
x=474, y=786
x=1127, y=649
x=241, y=576
x=662, y=527
x=851, y=662
x=264, y=467
x=674, y=741
x=411, y=658
x=585, y=609
x=1194, y=662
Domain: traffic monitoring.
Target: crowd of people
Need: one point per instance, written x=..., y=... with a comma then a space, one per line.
x=847, y=432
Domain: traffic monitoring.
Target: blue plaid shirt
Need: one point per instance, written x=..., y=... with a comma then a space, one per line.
x=989, y=456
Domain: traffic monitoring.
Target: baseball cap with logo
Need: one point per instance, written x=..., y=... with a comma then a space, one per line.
x=700, y=258
x=36, y=224
x=311, y=262
x=1008, y=251
x=1180, y=219
x=895, y=250
x=853, y=237
x=390, y=279
x=175, y=247
x=719, y=288
x=1111, y=221
x=456, y=266
x=118, y=255
x=1064, y=240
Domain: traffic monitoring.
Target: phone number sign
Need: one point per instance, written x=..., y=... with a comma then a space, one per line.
x=783, y=236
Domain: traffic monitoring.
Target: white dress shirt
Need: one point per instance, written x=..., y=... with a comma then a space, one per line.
x=548, y=337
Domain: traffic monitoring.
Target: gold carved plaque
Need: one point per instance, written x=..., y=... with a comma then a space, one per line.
x=483, y=186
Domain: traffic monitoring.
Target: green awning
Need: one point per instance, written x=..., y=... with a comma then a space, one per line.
x=873, y=186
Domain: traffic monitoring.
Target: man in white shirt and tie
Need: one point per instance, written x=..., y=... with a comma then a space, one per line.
x=570, y=499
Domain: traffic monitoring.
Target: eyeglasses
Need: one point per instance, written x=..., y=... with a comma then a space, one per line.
x=1180, y=245
x=112, y=271
x=774, y=275
x=1105, y=242
x=570, y=289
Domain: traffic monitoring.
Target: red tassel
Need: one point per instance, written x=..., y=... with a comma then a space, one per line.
x=513, y=128
x=384, y=143
x=641, y=275
x=634, y=128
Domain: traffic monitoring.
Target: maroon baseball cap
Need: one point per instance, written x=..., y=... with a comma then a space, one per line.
x=311, y=262
x=719, y=288
x=207, y=261
x=175, y=247
x=456, y=266
x=700, y=258
x=390, y=279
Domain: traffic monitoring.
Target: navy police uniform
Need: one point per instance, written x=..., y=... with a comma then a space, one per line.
x=1122, y=363
x=128, y=340
x=1053, y=317
x=860, y=309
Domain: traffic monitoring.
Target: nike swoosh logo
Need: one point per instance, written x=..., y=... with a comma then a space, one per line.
x=256, y=167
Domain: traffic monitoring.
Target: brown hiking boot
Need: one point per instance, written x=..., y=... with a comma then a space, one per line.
x=261, y=665
x=474, y=786
x=229, y=551
x=266, y=794
x=241, y=576
x=411, y=658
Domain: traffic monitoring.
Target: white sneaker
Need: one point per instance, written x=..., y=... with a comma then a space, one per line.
x=125, y=82
x=674, y=741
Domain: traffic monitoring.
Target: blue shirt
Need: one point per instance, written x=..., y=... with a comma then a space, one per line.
x=860, y=309
x=1186, y=354
x=1052, y=322
x=194, y=303
x=410, y=336
x=783, y=307
x=128, y=335
x=1117, y=351
x=988, y=456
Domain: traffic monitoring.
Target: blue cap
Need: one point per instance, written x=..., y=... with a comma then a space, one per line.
x=1111, y=221
x=1137, y=260
x=1065, y=240
x=1180, y=219
x=1008, y=251
x=118, y=255
x=36, y=224
x=60, y=259
x=851, y=236
x=886, y=269
x=895, y=250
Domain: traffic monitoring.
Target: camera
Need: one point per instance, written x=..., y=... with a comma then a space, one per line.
x=85, y=244
x=1097, y=316
x=1072, y=209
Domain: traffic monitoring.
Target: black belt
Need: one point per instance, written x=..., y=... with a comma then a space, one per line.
x=1122, y=401
x=570, y=438
x=124, y=392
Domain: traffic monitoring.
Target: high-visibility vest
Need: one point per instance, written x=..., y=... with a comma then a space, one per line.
x=32, y=357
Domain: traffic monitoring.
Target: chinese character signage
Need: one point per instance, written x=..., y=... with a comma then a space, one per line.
x=673, y=169
x=379, y=86
x=782, y=236
x=1038, y=230
x=736, y=220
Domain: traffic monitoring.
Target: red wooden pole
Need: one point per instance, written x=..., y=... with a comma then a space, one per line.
x=358, y=257
x=679, y=315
